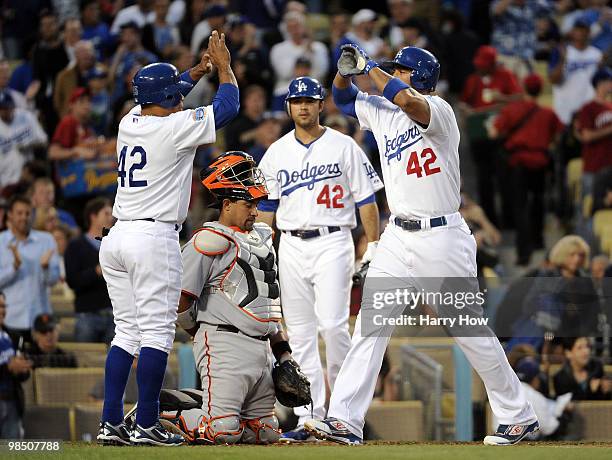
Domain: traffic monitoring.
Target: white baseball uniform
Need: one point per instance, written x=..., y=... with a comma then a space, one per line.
x=141, y=257
x=318, y=186
x=420, y=169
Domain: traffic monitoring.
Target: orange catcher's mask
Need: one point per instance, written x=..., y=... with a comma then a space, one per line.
x=235, y=175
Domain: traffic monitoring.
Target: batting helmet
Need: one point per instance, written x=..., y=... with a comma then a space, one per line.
x=235, y=175
x=424, y=65
x=159, y=84
x=304, y=87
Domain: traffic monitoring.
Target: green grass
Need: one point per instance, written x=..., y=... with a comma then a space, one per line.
x=324, y=451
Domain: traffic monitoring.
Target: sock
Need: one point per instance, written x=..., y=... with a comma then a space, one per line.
x=150, y=376
x=117, y=371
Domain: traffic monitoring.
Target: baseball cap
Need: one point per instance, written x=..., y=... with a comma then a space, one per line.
x=96, y=72
x=603, y=74
x=533, y=83
x=130, y=25
x=6, y=100
x=527, y=368
x=215, y=11
x=485, y=57
x=78, y=93
x=44, y=323
x=363, y=15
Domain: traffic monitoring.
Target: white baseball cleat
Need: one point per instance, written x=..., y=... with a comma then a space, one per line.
x=332, y=429
x=508, y=435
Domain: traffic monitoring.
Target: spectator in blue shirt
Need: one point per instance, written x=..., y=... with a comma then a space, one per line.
x=514, y=33
x=29, y=265
x=14, y=369
x=94, y=29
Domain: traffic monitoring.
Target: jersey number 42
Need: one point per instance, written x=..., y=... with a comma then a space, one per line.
x=138, y=152
x=414, y=164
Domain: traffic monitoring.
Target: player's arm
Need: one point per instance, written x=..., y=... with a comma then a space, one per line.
x=402, y=95
x=186, y=317
x=279, y=343
x=369, y=215
x=345, y=93
x=226, y=102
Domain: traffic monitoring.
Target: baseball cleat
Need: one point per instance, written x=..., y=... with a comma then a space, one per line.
x=113, y=435
x=507, y=435
x=299, y=435
x=156, y=435
x=332, y=429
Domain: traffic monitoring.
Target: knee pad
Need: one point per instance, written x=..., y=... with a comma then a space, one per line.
x=263, y=430
x=226, y=429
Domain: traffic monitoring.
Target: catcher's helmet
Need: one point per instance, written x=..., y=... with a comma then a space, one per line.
x=424, y=65
x=304, y=87
x=235, y=175
x=159, y=84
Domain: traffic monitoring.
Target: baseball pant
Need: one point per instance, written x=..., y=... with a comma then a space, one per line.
x=141, y=263
x=236, y=372
x=315, y=280
x=406, y=260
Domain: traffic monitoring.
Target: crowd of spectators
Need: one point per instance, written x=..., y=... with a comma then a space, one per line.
x=66, y=68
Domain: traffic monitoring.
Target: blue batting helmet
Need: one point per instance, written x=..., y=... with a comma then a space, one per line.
x=304, y=87
x=159, y=84
x=424, y=65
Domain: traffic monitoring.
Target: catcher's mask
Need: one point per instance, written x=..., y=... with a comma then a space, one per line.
x=234, y=175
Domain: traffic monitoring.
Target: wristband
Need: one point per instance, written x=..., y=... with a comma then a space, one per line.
x=394, y=86
x=187, y=78
x=369, y=66
x=279, y=348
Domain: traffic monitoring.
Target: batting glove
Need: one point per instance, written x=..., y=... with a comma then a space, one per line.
x=354, y=61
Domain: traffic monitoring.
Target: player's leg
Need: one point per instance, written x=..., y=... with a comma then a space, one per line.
x=356, y=381
x=155, y=266
x=297, y=299
x=260, y=423
x=480, y=345
x=222, y=359
x=332, y=283
x=124, y=344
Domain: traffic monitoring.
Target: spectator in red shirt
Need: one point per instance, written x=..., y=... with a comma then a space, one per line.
x=73, y=138
x=594, y=130
x=530, y=129
x=488, y=89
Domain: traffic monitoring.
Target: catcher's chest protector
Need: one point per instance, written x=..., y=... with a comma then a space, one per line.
x=251, y=281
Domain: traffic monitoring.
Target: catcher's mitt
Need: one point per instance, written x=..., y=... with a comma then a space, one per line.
x=291, y=386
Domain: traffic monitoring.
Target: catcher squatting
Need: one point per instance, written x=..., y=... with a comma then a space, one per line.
x=230, y=305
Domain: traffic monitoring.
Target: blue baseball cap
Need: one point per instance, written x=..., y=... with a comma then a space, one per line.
x=603, y=74
x=527, y=369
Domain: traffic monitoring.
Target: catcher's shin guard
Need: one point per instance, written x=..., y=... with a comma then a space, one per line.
x=262, y=430
x=226, y=429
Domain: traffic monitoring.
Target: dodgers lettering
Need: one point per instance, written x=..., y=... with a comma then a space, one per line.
x=395, y=146
x=308, y=176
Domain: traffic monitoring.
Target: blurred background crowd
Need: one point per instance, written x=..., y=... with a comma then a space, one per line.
x=530, y=82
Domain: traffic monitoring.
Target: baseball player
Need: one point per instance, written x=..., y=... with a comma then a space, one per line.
x=316, y=176
x=417, y=136
x=140, y=257
x=230, y=303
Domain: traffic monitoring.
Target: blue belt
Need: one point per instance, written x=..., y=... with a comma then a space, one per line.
x=307, y=234
x=415, y=225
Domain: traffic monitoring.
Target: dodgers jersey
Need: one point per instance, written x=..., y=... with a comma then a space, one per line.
x=420, y=166
x=318, y=184
x=155, y=159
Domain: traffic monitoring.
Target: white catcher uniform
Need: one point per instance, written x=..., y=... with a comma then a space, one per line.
x=420, y=169
x=318, y=186
x=141, y=257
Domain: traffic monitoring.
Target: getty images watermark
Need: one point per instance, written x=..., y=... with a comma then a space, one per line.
x=472, y=307
x=410, y=299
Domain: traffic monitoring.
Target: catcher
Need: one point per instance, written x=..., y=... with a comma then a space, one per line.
x=230, y=305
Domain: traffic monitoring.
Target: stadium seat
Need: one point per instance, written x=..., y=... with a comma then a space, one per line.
x=66, y=329
x=87, y=354
x=574, y=174
x=56, y=386
x=396, y=421
x=602, y=222
x=28, y=391
x=62, y=305
x=44, y=422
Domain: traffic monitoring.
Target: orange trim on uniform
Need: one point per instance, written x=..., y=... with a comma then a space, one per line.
x=237, y=229
x=208, y=253
x=255, y=317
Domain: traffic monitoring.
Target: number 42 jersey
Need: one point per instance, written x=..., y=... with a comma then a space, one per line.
x=420, y=165
x=155, y=163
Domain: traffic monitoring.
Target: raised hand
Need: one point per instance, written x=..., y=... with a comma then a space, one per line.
x=217, y=50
